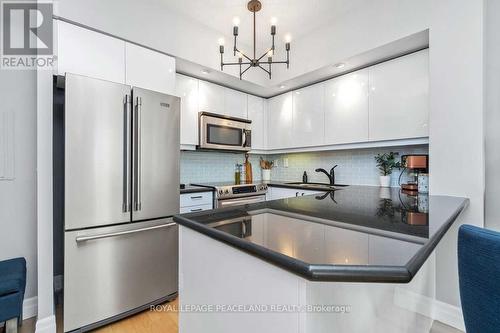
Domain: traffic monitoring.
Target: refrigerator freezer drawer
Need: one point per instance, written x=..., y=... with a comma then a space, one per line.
x=112, y=270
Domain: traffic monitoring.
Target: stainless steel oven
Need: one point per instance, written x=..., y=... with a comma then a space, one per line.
x=224, y=133
x=242, y=194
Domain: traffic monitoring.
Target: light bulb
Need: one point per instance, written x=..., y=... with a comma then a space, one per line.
x=274, y=20
x=236, y=21
x=221, y=41
x=239, y=54
x=270, y=53
x=288, y=38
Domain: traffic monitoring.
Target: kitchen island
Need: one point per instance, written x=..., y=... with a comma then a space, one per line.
x=359, y=259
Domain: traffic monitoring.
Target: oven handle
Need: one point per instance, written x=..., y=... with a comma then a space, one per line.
x=230, y=202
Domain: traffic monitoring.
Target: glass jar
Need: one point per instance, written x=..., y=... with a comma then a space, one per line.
x=237, y=174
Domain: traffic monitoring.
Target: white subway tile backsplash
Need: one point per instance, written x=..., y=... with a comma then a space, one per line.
x=355, y=167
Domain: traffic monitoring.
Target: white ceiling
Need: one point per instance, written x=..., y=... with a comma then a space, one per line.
x=298, y=18
x=294, y=17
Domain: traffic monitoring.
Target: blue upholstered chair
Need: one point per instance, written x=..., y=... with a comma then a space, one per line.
x=479, y=274
x=12, y=286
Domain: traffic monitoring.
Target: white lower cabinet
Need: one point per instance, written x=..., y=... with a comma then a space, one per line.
x=346, y=108
x=195, y=208
x=196, y=202
x=276, y=193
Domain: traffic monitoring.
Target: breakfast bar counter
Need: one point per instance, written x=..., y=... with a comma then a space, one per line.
x=365, y=249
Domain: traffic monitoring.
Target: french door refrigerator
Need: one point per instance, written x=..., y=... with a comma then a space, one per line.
x=121, y=188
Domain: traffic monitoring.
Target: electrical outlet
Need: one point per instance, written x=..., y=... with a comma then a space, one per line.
x=275, y=163
x=285, y=162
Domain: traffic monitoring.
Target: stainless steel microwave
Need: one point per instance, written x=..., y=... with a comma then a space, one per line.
x=224, y=133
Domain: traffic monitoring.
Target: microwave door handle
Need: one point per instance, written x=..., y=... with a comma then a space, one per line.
x=244, y=138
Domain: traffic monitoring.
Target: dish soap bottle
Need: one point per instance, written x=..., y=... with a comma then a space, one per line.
x=248, y=170
x=304, y=178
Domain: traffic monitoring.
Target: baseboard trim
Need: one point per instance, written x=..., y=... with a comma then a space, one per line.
x=46, y=325
x=430, y=307
x=449, y=315
x=30, y=307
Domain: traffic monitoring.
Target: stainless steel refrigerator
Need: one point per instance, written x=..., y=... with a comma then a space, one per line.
x=121, y=188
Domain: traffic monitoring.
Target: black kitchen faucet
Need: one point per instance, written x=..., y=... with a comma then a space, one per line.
x=331, y=175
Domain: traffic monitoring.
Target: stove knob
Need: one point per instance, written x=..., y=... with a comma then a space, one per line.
x=227, y=191
x=220, y=192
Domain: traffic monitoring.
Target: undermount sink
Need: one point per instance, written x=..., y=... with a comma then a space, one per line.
x=317, y=185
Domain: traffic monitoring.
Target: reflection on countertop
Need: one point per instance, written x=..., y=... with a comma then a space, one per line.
x=358, y=233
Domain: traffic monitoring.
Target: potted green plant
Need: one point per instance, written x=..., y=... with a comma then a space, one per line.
x=386, y=163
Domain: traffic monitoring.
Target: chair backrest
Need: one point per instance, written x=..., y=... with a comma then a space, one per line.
x=479, y=276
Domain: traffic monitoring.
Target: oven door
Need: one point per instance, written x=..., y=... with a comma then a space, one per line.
x=240, y=201
x=224, y=133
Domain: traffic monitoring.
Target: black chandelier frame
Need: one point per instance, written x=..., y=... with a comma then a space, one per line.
x=254, y=6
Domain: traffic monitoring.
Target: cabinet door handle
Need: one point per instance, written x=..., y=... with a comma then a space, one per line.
x=197, y=210
x=197, y=197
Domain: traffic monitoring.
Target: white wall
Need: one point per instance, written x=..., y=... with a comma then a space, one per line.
x=492, y=113
x=18, y=196
x=456, y=123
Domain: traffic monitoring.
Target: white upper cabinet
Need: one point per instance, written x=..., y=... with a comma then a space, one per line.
x=399, y=98
x=235, y=103
x=279, y=122
x=256, y=113
x=308, y=116
x=187, y=89
x=211, y=97
x=346, y=108
x=149, y=69
x=85, y=52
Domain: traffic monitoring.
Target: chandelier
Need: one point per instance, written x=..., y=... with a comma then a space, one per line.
x=262, y=62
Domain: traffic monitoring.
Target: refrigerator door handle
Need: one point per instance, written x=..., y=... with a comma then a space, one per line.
x=126, y=154
x=138, y=157
x=81, y=239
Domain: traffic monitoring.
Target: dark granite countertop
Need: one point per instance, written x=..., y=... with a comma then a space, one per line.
x=195, y=189
x=356, y=234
